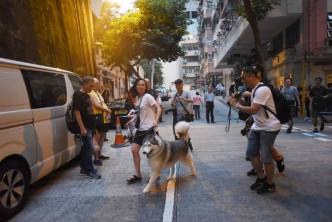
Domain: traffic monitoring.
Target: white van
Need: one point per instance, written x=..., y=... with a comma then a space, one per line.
x=34, y=139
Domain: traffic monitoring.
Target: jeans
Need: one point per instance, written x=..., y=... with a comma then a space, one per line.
x=86, y=151
x=197, y=114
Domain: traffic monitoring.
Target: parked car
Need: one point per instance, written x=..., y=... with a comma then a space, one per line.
x=163, y=93
x=119, y=109
x=34, y=140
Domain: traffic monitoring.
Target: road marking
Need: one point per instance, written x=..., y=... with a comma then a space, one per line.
x=307, y=134
x=328, y=126
x=320, y=134
x=323, y=139
x=296, y=128
x=305, y=130
x=169, y=203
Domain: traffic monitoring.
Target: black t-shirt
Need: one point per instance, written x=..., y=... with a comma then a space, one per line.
x=153, y=93
x=317, y=94
x=82, y=103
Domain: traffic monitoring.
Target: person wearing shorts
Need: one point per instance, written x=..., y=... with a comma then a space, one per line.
x=148, y=113
x=292, y=97
x=100, y=111
x=317, y=96
x=263, y=132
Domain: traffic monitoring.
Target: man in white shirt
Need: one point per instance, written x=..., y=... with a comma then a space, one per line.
x=263, y=132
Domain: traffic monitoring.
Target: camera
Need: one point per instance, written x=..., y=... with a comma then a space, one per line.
x=248, y=125
x=236, y=95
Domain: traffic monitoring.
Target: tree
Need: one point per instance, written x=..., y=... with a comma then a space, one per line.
x=158, y=78
x=152, y=31
x=108, y=12
x=254, y=11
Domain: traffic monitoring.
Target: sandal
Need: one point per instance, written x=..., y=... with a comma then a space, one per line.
x=133, y=179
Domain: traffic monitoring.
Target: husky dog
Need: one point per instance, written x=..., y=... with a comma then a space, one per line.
x=163, y=154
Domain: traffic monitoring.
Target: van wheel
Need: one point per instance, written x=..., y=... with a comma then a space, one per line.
x=13, y=187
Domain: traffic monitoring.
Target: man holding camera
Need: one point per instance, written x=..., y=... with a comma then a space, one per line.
x=263, y=132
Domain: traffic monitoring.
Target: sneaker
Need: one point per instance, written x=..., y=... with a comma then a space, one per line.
x=252, y=172
x=92, y=174
x=97, y=163
x=213, y=122
x=321, y=127
x=281, y=165
x=289, y=130
x=306, y=119
x=82, y=172
x=258, y=184
x=266, y=189
x=102, y=157
x=315, y=130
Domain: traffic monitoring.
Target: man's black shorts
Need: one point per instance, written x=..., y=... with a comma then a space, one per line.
x=101, y=127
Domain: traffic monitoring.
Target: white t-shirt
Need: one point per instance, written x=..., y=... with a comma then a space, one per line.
x=147, y=113
x=264, y=96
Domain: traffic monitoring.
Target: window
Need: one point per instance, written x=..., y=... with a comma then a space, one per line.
x=277, y=44
x=293, y=34
x=45, y=89
x=76, y=82
x=193, y=14
x=191, y=58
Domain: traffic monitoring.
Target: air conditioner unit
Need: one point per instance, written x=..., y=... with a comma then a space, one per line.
x=329, y=34
x=329, y=25
x=184, y=61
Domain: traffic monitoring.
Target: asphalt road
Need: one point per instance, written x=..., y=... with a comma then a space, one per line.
x=219, y=192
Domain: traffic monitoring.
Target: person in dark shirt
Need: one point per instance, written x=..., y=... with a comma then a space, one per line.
x=317, y=96
x=329, y=98
x=86, y=120
x=150, y=90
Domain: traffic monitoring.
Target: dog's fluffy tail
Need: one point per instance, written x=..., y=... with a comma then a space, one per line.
x=181, y=130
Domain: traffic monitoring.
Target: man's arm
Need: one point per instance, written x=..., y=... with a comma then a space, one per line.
x=80, y=123
x=97, y=106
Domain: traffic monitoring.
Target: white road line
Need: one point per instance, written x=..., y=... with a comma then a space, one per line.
x=305, y=130
x=307, y=134
x=169, y=203
x=320, y=134
x=323, y=139
x=328, y=126
x=296, y=128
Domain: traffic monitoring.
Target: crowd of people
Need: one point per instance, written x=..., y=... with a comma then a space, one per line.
x=92, y=115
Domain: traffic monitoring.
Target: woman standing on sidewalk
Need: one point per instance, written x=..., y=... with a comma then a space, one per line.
x=146, y=122
x=197, y=100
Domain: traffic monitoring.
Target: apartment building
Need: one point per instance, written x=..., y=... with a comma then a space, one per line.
x=189, y=65
x=291, y=30
x=208, y=11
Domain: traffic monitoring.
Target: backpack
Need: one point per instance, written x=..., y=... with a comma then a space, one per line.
x=283, y=111
x=72, y=124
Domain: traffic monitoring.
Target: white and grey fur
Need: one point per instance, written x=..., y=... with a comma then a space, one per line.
x=163, y=154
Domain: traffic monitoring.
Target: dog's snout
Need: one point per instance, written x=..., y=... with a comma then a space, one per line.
x=144, y=152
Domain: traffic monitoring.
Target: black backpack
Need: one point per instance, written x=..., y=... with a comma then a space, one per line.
x=72, y=124
x=283, y=111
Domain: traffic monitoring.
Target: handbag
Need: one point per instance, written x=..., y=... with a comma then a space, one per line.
x=189, y=116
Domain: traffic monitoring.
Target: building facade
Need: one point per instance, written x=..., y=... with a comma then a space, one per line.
x=295, y=35
x=189, y=65
x=208, y=14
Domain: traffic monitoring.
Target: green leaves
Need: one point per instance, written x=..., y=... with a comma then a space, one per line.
x=260, y=8
x=153, y=30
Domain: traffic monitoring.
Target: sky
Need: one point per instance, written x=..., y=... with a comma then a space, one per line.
x=125, y=4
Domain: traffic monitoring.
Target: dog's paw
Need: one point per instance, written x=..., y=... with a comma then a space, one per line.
x=146, y=190
x=170, y=178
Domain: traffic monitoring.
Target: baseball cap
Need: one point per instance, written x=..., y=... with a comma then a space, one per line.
x=178, y=81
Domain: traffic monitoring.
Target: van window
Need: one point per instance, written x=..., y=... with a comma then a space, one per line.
x=45, y=89
x=76, y=82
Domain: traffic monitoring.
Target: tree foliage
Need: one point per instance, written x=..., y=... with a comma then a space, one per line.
x=158, y=78
x=260, y=8
x=109, y=11
x=152, y=31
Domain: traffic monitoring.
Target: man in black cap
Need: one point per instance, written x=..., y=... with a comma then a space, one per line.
x=181, y=103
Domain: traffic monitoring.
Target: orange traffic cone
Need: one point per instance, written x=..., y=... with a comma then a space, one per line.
x=119, y=141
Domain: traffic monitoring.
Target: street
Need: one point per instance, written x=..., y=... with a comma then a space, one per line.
x=219, y=192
